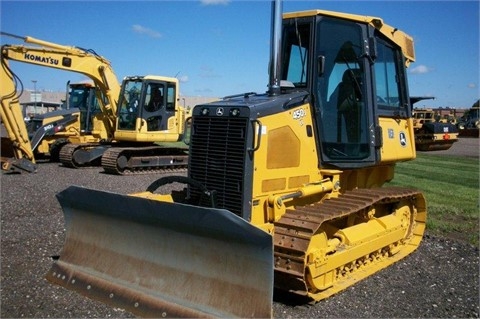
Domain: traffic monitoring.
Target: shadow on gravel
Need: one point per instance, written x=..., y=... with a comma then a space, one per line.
x=290, y=299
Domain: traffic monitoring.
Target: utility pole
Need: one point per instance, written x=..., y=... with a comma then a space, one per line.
x=35, y=96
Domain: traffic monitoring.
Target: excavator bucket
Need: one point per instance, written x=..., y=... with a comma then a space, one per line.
x=160, y=259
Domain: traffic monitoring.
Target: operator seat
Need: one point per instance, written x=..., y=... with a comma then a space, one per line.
x=349, y=103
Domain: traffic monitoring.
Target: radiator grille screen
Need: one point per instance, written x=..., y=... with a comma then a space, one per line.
x=217, y=159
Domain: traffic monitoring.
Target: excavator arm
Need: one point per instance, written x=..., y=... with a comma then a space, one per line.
x=72, y=59
x=22, y=158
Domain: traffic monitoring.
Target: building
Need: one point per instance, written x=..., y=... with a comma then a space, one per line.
x=49, y=101
x=41, y=102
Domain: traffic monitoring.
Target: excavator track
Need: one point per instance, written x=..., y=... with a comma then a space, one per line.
x=323, y=248
x=70, y=155
x=144, y=160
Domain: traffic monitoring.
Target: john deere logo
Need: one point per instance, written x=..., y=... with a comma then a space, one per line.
x=219, y=111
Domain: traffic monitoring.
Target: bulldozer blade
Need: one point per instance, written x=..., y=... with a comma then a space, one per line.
x=160, y=259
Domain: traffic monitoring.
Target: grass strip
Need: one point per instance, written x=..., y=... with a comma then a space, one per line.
x=451, y=187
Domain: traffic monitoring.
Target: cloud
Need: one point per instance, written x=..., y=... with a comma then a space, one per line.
x=214, y=2
x=143, y=30
x=183, y=79
x=421, y=69
x=471, y=85
x=204, y=91
x=208, y=72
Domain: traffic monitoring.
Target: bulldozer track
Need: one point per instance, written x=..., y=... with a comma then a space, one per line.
x=144, y=160
x=295, y=229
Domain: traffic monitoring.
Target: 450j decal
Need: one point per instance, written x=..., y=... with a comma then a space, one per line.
x=299, y=114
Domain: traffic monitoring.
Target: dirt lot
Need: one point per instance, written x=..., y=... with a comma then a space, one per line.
x=439, y=280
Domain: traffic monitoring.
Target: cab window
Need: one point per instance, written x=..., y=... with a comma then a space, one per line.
x=386, y=77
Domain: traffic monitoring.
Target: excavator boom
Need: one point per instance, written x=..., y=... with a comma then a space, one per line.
x=52, y=55
x=68, y=58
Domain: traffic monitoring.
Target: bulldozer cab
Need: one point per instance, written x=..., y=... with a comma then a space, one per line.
x=148, y=107
x=352, y=72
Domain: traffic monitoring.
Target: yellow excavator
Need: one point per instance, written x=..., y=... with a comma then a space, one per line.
x=128, y=147
x=284, y=189
x=54, y=130
x=147, y=119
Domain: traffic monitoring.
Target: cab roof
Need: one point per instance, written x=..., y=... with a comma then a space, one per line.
x=400, y=38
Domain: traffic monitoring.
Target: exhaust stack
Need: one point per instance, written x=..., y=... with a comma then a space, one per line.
x=275, y=48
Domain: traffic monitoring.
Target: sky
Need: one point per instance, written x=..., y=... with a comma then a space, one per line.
x=221, y=47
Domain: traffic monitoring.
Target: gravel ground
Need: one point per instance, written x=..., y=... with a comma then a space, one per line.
x=439, y=280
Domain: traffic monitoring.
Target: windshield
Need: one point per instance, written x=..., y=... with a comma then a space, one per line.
x=344, y=115
x=129, y=104
x=339, y=82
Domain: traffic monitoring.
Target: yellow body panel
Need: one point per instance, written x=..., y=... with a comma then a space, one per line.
x=398, y=140
x=286, y=160
x=73, y=134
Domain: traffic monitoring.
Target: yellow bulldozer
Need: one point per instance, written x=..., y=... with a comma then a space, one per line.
x=284, y=189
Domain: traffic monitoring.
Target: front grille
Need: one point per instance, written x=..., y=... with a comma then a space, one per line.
x=217, y=159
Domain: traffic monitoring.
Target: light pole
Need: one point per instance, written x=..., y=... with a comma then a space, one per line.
x=35, y=96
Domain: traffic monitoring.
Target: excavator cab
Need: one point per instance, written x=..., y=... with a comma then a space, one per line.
x=148, y=110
